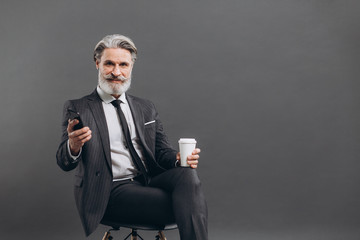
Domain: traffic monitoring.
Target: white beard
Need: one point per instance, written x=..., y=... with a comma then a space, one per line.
x=114, y=88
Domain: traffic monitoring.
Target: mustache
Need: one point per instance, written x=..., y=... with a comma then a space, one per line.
x=112, y=77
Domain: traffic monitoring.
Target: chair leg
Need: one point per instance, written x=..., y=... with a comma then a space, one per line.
x=134, y=235
x=161, y=236
x=107, y=236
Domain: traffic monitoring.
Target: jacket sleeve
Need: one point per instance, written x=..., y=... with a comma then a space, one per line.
x=164, y=153
x=63, y=158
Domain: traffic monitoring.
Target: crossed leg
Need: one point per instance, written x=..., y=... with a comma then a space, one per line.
x=173, y=196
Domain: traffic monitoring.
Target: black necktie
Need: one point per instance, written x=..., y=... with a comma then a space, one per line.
x=135, y=157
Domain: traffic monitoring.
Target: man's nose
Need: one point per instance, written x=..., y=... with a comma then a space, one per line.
x=116, y=71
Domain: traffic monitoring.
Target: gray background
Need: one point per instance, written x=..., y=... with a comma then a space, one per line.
x=268, y=88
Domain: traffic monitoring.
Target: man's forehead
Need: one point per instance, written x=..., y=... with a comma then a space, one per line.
x=116, y=53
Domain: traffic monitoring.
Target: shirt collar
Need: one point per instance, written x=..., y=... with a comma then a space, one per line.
x=107, y=98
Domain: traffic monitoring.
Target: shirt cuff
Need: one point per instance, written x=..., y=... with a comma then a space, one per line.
x=72, y=156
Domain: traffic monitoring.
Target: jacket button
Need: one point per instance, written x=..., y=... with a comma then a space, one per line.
x=97, y=173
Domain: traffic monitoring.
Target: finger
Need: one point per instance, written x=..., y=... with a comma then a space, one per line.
x=84, y=135
x=81, y=138
x=196, y=151
x=191, y=157
x=193, y=166
x=79, y=132
x=178, y=156
x=71, y=124
x=192, y=162
x=86, y=139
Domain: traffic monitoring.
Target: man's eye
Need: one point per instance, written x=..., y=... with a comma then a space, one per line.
x=109, y=64
x=123, y=64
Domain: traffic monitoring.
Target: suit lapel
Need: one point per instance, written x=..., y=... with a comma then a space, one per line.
x=138, y=116
x=95, y=104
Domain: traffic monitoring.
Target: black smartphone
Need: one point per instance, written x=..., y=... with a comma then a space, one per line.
x=75, y=115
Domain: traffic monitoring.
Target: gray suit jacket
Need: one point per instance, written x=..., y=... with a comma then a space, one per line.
x=93, y=177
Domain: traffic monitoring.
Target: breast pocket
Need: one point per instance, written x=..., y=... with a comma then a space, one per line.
x=150, y=129
x=150, y=135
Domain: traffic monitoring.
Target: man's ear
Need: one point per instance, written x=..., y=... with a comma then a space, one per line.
x=97, y=64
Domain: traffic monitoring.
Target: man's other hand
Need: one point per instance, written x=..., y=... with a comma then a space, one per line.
x=77, y=138
x=192, y=159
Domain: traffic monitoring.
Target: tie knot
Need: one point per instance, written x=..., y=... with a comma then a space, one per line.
x=116, y=103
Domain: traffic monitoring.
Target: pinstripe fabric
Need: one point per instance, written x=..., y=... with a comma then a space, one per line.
x=93, y=176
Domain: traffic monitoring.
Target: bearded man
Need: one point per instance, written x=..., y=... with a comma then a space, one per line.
x=126, y=170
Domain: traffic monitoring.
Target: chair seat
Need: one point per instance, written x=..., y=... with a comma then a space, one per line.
x=146, y=227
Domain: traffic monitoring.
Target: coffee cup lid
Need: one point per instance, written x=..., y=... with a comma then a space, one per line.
x=187, y=140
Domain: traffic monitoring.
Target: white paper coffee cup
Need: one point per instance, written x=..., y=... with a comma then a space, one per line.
x=186, y=146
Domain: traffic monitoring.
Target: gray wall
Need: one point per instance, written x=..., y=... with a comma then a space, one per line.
x=268, y=88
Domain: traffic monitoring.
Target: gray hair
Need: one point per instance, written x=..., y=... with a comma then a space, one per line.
x=115, y=41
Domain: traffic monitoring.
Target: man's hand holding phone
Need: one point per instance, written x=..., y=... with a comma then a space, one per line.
x=77, y=137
